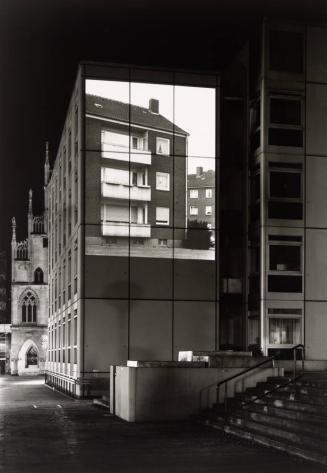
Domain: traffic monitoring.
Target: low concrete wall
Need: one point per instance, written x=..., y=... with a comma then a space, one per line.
x=161, y=394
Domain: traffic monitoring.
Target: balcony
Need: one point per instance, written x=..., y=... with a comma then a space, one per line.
x=121, y=229
x=122, y=153
x=122, y=191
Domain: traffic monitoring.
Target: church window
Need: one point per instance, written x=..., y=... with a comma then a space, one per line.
x=29, y=308
x=38, y=276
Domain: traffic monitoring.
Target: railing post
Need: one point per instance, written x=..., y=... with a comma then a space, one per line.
x=294, y=363
x=225, y=398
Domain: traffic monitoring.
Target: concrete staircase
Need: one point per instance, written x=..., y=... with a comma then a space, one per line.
x=292, y=418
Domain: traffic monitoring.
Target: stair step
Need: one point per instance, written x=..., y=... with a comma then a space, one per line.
x=278, y=379
x=289, y=436
x=285, y=413
x=291, y=425
x=274, y=442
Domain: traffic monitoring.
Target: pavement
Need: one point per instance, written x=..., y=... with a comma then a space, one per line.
x=44, y=431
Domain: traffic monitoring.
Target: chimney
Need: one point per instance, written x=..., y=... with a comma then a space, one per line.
x=199, y=171
x=154, y=106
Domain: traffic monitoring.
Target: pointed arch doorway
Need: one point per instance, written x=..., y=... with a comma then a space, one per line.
x=28, y=359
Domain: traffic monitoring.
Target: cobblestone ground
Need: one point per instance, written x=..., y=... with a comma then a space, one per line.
x=44, y=431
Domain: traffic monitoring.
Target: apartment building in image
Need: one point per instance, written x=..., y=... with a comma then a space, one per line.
x=201, y=196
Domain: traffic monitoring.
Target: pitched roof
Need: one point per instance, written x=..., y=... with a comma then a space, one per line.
x=121, y=111
x=205, y=179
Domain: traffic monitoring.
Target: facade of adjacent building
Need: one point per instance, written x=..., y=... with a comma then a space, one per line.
x=128, y=279
x=4, y=316
x=201, y=197
x=29, y=296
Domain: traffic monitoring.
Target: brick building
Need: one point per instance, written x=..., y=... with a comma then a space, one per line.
x=201, y=198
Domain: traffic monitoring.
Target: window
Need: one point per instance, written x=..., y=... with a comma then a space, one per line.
x=194, y=193
x=285, y=191
x=115, y=176
x=285, y=127
x=138, y=142
x=162, y=216
x=208, y=210
x=38, y=276
x=285, y=184
x=163, y=146
x=285, y=264
x=285, y=257
x=162, y=181
x=163, y=242
x=286, y=51
x=208, y=193
x=29, y=308
x=194, y=210
x=284, y=331
x=110, y=139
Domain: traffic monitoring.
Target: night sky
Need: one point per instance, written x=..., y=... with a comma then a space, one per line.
x=42, y=42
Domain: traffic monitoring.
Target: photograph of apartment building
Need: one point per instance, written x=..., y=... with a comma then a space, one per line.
x=201, y=202
x=145, y=157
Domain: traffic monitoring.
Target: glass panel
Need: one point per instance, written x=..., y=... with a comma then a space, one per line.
x=284, y=331
x=285, y=111
x=195, y=123
x=285, y=184
x=284, y=258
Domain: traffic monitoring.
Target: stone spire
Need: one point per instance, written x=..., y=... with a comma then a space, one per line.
x=30, y=212
x=13, y=226
x=46, y=164
x=30, y=202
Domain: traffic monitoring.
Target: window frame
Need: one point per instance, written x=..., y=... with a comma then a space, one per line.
x=162, y=222
x=194, y=213
x=294, y=317
x=194, y=191
x=164, y=174
x=208, y=213
x=285, y=126
x=167, y=141
x=209, y=193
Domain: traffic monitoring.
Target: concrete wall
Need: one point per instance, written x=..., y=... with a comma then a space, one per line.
x=156, y=394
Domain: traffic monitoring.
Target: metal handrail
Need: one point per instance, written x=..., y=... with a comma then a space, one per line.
x=272, y=358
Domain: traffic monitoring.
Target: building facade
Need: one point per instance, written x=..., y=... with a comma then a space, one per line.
x=123, y=269
x=136, y=169
x=201, y=188
x=130, y=277
x=4, y=316
x=29, y=296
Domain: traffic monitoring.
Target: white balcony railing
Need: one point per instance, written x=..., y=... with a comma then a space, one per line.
x=122, y=191
x=120, y=229
x=122, y=153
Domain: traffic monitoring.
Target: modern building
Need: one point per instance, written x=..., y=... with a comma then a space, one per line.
x=29, y=295
x=122, y=267
x=273, y=234
x=201, y=197
x=128, y=278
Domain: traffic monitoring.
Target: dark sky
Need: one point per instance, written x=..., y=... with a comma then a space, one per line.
x=42, y=41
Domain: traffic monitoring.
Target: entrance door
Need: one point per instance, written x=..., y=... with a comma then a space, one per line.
x=31, y=357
